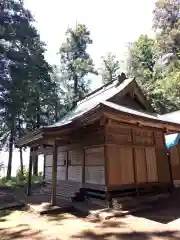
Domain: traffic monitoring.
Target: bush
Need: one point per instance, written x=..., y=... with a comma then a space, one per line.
x=20, y=180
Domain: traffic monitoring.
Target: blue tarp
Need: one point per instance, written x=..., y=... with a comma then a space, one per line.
x=172, y=139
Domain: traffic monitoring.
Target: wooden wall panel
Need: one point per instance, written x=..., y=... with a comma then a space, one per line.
x=48, y=174
x=175, y=161
x=151, y=165
x=114, y=165
x=162, y=165
x=75, y=156
x=49, y=159
x=93, y=137
x=174, y=151
x=61, y=172
x=94, y=165
x=119, y=134
x=75, y=173
x=94, y=156
x=95, y=175
x=140, y=163
x=126, y=170
x=159, y=139
x=61, y=157
x=143, y=137
x=120, y=165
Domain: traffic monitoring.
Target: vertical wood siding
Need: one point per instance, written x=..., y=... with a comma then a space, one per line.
x=140, y=163
x=143, y=147
x=175, y=161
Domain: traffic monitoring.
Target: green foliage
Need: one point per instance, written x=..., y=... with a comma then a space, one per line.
x=76, y=63
x=167, y=22
x=26, y=87
x=142, y=52
x=110, y=68
x=162, y=84
x=20, y=180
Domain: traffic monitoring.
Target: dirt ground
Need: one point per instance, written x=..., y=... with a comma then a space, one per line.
x=162, y=221
x=26, y=225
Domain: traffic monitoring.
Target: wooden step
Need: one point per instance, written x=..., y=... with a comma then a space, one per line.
x=95, y=194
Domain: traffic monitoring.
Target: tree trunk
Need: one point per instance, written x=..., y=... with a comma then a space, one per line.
x=38, y=124
x=75, y=91
x=38, y=117
x=9, y=168
x=56, y=110
x=21, y=161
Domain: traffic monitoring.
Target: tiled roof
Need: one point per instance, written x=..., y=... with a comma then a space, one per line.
x=102, y=96
x=92, y=101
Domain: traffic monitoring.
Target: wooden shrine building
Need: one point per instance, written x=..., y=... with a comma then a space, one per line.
x=111, y=143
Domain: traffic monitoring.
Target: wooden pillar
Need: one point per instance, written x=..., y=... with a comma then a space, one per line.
x=108, y=194
x=170, y=170
x=134, y=163
x=83, y=168
x=30, y=173
x=54, y=174
x=35, y=165
x=67, y=163
x=44, y=166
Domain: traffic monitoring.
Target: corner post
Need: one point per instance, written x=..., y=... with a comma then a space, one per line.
x=30, y=173
x=170, y=170
x=108, y=193
x=83, y=168
x=44, y=167
x=54, y=174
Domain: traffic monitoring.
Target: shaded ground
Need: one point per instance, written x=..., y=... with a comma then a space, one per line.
x=164, y=211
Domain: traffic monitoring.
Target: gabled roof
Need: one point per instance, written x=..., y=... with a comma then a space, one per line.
x=98, y=103
x=92, y=100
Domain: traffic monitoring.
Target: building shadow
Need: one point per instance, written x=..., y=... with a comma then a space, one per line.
x=164, y=210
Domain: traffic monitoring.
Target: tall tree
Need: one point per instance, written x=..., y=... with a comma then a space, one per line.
x=76, y=63
x=141, y=60
x=13, y=20
x=59, y=94
x=24, y=75
x=166, y=23
x=110, y=68
x=143, y=63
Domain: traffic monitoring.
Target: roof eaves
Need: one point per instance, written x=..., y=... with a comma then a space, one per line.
x=29, y=137
x=145, y=116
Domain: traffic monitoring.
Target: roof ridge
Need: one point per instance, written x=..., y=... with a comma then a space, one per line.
x=96, y=90
x=105, y=87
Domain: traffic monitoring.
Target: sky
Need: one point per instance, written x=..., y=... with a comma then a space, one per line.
x=112, y=24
